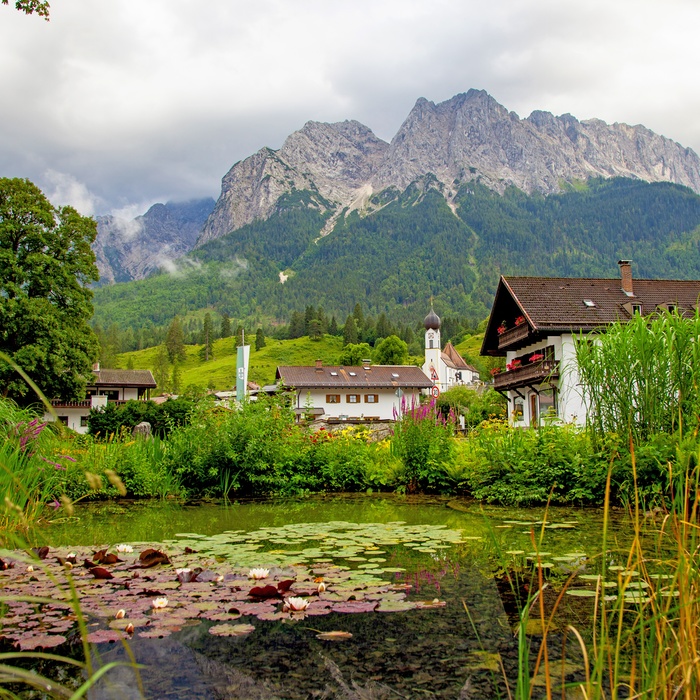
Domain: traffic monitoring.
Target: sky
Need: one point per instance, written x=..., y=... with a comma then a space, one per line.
x=114, y=105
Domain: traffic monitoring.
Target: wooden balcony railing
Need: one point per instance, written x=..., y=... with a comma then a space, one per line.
x=534, y=373
x=513, y=335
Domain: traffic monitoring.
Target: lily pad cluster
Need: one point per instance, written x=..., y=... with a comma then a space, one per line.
x=153, y=590
x=623, y=583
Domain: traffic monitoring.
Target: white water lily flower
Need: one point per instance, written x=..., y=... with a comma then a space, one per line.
x=121, y=614
x=159, y=603
x=321, y=587
x=258, y=574
x=124, y=548
x=182, y=571
x=296, y=604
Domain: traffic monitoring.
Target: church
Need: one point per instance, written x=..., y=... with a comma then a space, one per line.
x=444, y=368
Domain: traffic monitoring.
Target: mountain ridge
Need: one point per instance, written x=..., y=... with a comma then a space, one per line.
x=468, y=137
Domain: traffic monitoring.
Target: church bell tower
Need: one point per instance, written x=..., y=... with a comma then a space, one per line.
x=433, y=349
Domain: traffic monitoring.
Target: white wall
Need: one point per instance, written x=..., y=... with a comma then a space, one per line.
x=571, y=407
x=383, y=409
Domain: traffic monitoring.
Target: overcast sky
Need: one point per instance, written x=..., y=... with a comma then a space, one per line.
x=116, y=104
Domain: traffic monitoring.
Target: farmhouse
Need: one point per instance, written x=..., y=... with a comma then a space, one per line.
x=108, y=385
x=533, y=324
x=369, y=392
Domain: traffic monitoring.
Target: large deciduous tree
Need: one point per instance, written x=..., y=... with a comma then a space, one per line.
x=46, y=267
x=31, y=7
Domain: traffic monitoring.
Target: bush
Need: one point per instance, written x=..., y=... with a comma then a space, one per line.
x=114, y=418
x=422, y=441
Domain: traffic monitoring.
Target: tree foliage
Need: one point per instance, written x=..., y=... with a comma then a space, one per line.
x=391, y=351
x=46, y=267
x=32, y=7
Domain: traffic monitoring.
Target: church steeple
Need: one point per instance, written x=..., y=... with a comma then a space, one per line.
x=433, y=348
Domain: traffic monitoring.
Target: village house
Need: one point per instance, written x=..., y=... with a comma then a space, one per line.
x=107, y=385
x=366, y=393
x=534, y=322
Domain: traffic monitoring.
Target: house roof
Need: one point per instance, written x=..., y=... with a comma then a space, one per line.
x=137, y=378
x=374, y=377
x=562, y=304
x=453, y=359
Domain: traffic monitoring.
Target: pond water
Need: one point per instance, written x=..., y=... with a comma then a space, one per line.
x=459, y=555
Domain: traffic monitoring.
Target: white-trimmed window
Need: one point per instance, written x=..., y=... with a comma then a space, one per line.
x=371, y=398
x=353, y=398
x=332, y=398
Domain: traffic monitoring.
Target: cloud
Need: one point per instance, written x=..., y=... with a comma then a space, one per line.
x=155, y=101
x=63, y=189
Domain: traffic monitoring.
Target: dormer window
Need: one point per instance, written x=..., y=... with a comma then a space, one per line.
x=589, y=302
x=334, y=374
x=636, y=309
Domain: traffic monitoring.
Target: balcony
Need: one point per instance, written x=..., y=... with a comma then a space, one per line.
x=513, y=335
x=534, y=373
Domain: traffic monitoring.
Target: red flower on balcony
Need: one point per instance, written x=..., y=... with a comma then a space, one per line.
x=501, y=329
x=520, y=320
x=536, y=357
x=513, y=364
x=495, y=371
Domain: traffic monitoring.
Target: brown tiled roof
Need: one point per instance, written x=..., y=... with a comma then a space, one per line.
x=452, y=358
x=376, y=377
x=559, y=304
x=139, y=378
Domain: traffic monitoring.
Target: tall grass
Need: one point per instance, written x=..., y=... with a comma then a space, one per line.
x=643, y=377
x=29, y=471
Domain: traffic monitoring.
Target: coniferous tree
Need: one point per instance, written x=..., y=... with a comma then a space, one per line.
x=175, y=341
x=314, y=331
x=259, y=339
x=161, y=369
x=176, y=379
x=296, y=325
x=207, y=339
x=350, y=331
x=225, y=325
x=359, y=317
x=333, y=327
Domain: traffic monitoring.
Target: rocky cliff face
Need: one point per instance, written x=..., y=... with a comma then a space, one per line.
x=132, y=249
x=331, y=160
x=467, y=137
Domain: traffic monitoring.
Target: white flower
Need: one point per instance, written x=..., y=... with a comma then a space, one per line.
x=296, y=604
x=182, y=571
x=159, y=603
x=321, y=587
x=258, y=574
x=30, y=568
x=124, y=548
x=121, y=614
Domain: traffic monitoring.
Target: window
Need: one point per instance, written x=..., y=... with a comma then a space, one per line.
x=518, y=409
x=353, y=398
x=548, y=403
x=371, y=398
x=332, y=398
x=63, y=419
x=637, y=309
x=83, y=421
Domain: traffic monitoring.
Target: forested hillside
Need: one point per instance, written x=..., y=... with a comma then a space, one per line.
x=411, y=247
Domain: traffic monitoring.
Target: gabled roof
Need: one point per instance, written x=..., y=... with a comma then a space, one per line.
x=562, y=304
x=453, y=359
x=338, y=377
x=134, y=378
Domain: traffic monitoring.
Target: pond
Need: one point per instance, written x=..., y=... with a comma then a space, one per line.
x=422, y=593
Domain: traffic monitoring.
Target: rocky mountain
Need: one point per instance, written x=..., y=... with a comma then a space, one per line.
x=128, y=249
x=469, y=137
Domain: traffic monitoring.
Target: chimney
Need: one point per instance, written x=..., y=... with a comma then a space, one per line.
x=319, y=365
x=96, y=367
x=626, y=275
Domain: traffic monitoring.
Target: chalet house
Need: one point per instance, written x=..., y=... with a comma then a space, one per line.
x=107, y=385
x=369, y=392
x=534, y=321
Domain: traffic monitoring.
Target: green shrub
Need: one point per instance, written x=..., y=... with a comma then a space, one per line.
x=422, y=441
